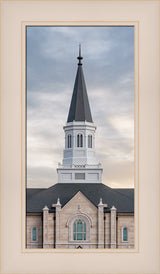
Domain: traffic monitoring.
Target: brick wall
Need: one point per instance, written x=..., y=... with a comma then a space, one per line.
x=125, y=221
x=77, y=205
x=34, y=220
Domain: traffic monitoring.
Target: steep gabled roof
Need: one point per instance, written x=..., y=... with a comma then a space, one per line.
x=122, y=199
x=79, y=108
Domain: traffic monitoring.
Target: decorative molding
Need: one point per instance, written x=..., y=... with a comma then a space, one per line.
x=79, y=215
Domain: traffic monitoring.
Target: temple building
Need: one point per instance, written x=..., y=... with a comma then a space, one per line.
x=80, y=211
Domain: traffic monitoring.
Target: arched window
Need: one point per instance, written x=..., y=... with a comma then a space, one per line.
x=79, y=230
x=79, y=227
x=125, y=234
x=34, y=234
x=69, y=141
x=90, y=141
x=79, y=140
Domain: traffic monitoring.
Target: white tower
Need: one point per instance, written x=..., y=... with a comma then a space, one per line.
x=79, y=161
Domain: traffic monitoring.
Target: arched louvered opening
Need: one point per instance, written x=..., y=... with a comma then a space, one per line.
x=89, y=141
x=79, y=140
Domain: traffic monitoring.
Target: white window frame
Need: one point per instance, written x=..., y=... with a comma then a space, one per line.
x=34, y=226
x=122, y=234
x=81, y=232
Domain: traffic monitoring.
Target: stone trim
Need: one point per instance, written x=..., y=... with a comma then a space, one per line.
x=79, y=215
x=125, y=213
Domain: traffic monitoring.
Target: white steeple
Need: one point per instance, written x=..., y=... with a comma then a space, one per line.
x=79, y=161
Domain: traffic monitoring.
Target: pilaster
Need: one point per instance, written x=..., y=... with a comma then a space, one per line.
x=58, y=223
x=113, y=227
x=45, y=227
x=101, y=224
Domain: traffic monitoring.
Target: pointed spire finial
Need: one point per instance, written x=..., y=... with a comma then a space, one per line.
x=58, y=202
x=100, y=202
x=79, y=57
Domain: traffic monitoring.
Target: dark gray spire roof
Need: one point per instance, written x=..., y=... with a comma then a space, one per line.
x=79, y=108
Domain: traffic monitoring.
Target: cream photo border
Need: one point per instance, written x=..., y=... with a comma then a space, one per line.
x=16, y=15
x=24, y=137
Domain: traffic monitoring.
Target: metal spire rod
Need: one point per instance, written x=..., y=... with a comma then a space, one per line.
x=79, y=57
x=79, y=50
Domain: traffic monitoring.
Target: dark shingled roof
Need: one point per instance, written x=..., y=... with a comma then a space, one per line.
x=122, y=199
x=79, y=108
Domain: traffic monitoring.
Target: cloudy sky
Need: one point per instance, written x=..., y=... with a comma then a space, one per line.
x=108, y=67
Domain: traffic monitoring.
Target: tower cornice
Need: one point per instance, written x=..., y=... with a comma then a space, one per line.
x=81, y=124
